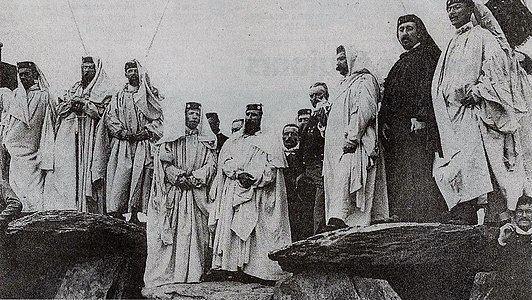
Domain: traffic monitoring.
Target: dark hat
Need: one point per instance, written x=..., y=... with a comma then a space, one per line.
x=27, y=64
x=407, y=18
x=304, y=111
x=87, y=59
x=129, y=65
x=467, y=2
x=192, y=105
x=254, y=107
x=212, y=115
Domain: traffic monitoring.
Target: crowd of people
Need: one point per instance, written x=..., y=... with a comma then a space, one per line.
x=441, y=141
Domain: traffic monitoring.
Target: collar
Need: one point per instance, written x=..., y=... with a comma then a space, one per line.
x=189, y=131
x=415, y=46
x=465, y=28
x=132, y=89
x=522, y=232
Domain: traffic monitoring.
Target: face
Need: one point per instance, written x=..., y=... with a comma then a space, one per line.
x=132, y=75
x=523, y=216
x=290, y=137
x=27, y=77
x=88, y=71
x=302, y=120
x=252, y=121
x=317, y=94
x=192, y=118
x=215, y=124
x=408, y=35
x=459, y=14
x=341, y=64
x=236, y=126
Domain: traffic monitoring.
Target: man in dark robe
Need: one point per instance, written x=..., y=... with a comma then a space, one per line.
x=311, y=144
x=214, y=122
x=408, y=127
x=299, y=188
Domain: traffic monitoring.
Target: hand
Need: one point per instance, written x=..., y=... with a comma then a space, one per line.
x=184, y=183
x=246, y=180
x=321, y=115
x=142, y=135
x=77, y=106
x=470, y=101
x=505, y=232
x=416, y=125
x=350, y=146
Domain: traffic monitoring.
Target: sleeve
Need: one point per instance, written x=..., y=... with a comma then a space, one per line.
x=425, y=112
x=205, y=174
x=363, y=108
x=155, y=127
x=171, y=172
x=63, y=108
x=112, y=122
x=13, y=204
x=95, y=110
x=262, y=169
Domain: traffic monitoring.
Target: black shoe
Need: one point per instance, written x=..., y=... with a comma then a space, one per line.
x=335, y=224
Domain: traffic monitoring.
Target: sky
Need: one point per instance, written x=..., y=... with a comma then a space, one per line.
x=221, y=53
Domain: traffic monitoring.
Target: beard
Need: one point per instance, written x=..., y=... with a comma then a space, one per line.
x=86, y=79
x=27, y=83
x=134, y=81
x=250, y=127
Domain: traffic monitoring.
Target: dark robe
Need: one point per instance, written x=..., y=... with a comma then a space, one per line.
x=412, y=191
x=311, y=145
x=300, y=200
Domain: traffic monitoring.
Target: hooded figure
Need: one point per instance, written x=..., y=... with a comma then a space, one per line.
x=28, y=135
x=479, y=97
x=351, y=153
x=131, y=125
x=178, y=211
x=250, y=212
x=408, y=127
x=69, y=185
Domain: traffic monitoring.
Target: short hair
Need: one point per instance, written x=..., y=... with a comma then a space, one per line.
x=524, y=200
x=291, y=125
x=324, y=85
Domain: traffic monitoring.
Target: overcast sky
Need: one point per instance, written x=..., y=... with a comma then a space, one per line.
x=221, y=53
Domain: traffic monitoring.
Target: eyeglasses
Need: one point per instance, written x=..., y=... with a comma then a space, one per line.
x=523, y=212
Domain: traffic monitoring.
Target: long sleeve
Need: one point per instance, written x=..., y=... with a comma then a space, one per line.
x=363, y=108
x=95, y=110
x=205, y=173
x=171, y=172
x=112, y=122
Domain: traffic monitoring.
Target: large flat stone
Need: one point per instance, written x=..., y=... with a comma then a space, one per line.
x=210, y=291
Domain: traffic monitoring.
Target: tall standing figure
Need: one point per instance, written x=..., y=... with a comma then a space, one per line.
x=408, y=127
x=350, y=160
x=134, y=120
x=250, y=213
x=29, y=135
x=70, y=184
x=177, y=231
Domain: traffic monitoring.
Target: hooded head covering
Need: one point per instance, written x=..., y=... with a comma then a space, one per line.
x=100, y=86
x=145, y=99
x=175, y=128
x=424, y=37
x=358, y=61
x=19, y=107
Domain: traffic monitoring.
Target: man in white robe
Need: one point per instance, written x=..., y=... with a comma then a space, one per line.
x=28, y=135
x=351, y=166
x=70, y=184
x=250, y=213
x=478, y=108
x=134, y=121
x=177, y=231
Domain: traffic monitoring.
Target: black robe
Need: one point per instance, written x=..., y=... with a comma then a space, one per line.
x=412, y=192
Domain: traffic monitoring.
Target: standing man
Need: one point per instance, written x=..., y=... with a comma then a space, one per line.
x=70, y=186
x=237, y=125
x=299, y=192
x=350, y=162
x=134, y=120
x=303, y=115
x=177, y=231
x=408, y=127
x=214, y=122
x=312, y=147
x=29, y=136
x=477, y=109
x=250, y=210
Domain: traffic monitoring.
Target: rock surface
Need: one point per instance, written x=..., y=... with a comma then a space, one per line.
x=68, y=254
x=210, y=291
x=310, y=285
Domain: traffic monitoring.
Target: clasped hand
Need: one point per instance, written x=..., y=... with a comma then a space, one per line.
x=246, y=180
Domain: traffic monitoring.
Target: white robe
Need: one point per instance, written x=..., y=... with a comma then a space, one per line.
x=249, y=223
x=177, y=231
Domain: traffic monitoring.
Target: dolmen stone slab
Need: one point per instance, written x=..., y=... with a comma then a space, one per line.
x=419, y=261
x=72, y=255
x=210, y=291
